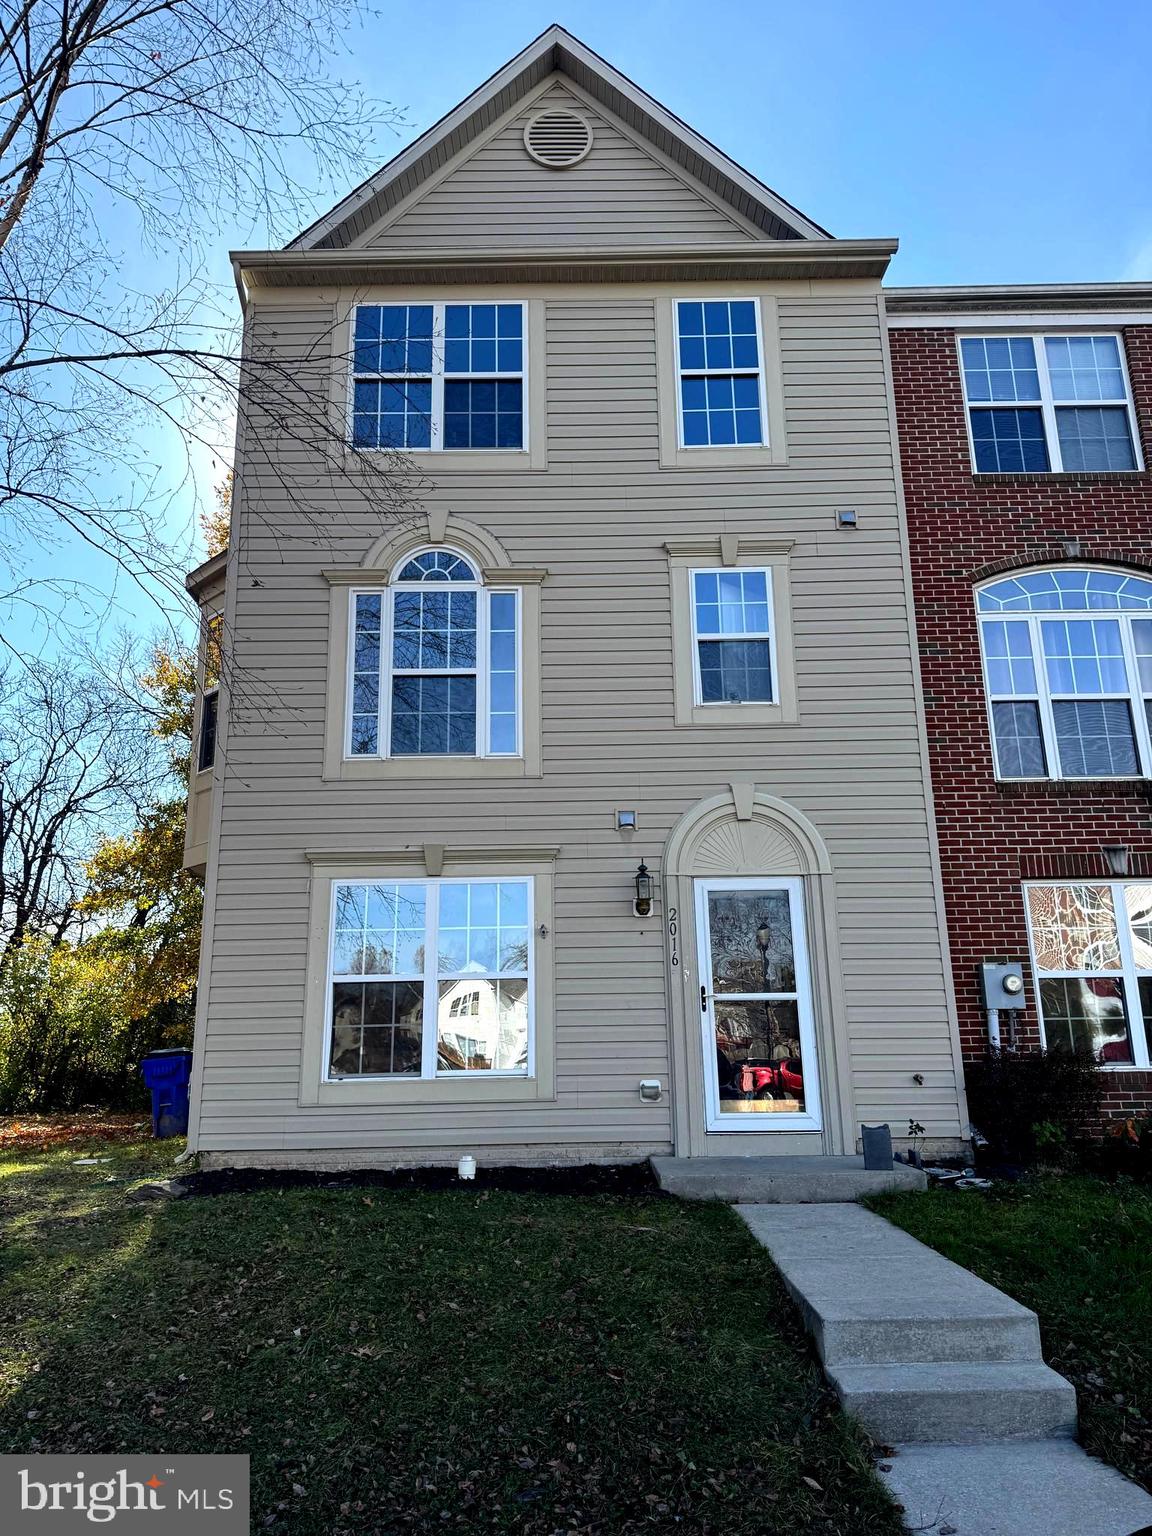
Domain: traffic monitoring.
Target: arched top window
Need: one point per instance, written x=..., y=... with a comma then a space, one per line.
x=1068, y=665
x=437, y=565
x=435, y=664
x=1070, y=590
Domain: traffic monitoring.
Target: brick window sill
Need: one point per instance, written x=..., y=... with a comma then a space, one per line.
x=1063, y=788
x=1116, y=477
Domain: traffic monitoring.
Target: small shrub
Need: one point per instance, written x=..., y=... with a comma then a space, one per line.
x=1034, y=1106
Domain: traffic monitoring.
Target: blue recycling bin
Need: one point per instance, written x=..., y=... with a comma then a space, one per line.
x=166, y=1076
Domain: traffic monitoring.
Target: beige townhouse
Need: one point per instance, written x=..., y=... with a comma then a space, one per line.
x=563, y=791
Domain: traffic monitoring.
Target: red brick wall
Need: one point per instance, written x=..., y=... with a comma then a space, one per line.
x=962, y=529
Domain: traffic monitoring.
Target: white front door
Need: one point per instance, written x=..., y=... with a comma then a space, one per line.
x=756, y=1006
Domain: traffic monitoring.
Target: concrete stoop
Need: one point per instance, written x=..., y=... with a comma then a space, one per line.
x=801, y=1180
x=946, y=1371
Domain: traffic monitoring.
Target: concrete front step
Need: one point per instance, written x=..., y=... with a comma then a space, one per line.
x=960, y=1404
x=871, y=1294
x=799, y=1180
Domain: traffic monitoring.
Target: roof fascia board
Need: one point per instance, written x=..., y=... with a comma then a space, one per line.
x=453, y=163
x=868, y=258
x=1017, y=296
x=1027, y=319
x=673, y=167
x=554, y=48
x=452, y=120
x=600, y=69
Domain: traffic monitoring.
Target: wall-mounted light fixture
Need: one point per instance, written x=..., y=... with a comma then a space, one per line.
x=626, y=821
x=1116, y=855
x=846, y=518
x=642, y=906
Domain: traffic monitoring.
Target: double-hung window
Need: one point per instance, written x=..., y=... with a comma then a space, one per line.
x=720, y=376
x=438, y=376
x=430, y=978
x=733, y=638
x=1092, y=959
x=435, y=664
x=1048, y=403
x=1068, y=662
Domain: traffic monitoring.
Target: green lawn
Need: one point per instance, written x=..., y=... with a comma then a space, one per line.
x=399, y=1361
x=1078, y=1251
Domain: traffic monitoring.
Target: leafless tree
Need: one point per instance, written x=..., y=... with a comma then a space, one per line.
x=75, y=762
x=130, y=126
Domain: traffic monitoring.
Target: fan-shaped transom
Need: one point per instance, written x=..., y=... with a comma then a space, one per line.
x=437, y=565
x=1070, y=591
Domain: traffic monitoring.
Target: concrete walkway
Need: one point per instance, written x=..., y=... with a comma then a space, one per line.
x=946, y=1371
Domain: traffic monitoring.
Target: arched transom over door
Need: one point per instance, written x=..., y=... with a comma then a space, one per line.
x=759, y=1051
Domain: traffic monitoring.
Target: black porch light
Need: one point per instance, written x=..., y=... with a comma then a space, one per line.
x=642, y=906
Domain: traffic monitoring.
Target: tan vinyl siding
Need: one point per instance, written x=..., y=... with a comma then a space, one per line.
x=597, y=520
x=621, y=193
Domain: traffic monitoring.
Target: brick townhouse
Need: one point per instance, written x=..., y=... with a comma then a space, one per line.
x=1025, y=427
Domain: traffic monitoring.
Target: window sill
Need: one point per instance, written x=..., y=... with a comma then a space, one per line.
x=465, y=460
x=1018, y=787
x=737, y=714
x=763, y=457
x=1061, y=477
x=468, y=1088
x=419, y=768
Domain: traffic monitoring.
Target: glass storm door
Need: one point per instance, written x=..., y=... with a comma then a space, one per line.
x=756, y=1006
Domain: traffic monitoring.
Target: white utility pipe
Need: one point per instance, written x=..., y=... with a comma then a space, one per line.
x=994, y=1028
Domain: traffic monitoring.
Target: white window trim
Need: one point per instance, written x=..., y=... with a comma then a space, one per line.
x=773, y=450
x=697, y=681
x=721, y=373
x=387, y=595
x=1044, y=697
x=810, y=1119
x=430, y=1029
x=525, y=374
x=413, y=862
x=1128, y=972
x=1047, y=404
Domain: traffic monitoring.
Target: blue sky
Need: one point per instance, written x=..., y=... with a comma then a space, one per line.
x=1000, y=140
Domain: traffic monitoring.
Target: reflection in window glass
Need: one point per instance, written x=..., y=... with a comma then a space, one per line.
x=755, y=1005
x=1066, y=700
x=718, y=346
x=1086, y=1013
x=733, y=615
x=418, y=695
x=1073, y=927
x=392, y=946
x=1056, y=431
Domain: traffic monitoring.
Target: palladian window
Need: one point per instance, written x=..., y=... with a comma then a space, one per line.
x=435, y=664
x=1068, y=665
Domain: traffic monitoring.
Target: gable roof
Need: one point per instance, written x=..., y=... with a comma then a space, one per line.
x=556, y=51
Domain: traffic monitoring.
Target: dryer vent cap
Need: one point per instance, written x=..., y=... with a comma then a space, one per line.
x=557, y=138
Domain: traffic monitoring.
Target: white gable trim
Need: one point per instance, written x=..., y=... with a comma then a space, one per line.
x=552, y=52
x=740, y=224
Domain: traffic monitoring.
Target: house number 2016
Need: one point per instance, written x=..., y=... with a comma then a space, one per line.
x=673, y=930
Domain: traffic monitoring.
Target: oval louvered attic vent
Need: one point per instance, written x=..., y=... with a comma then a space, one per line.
x=557, y=138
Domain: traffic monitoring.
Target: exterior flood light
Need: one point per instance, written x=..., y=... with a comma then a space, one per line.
x=642, y=906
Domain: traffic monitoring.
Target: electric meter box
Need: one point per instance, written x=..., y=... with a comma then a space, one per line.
x=1002, y=984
